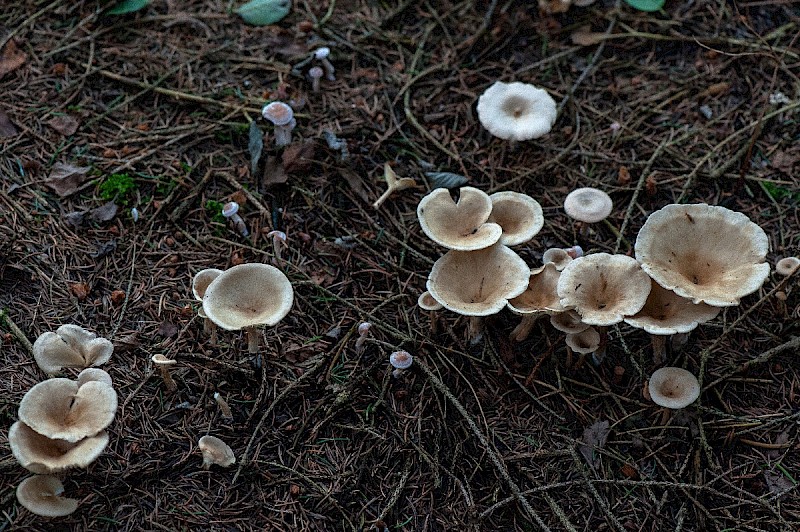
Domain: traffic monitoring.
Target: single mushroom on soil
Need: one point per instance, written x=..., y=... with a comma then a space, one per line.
x=673, y=388
x=587, y=205
x=282, y=117
x=70, y=346
x=41, y=495
x=461, y=225
x=516, y=111
x=248, y=296
x=478, y=283
x=704, y=253
x=518, y=215
x=539, y=299
x=787, y=266
x=215, y=452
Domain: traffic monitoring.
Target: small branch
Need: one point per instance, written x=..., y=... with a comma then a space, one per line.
x=16, y=331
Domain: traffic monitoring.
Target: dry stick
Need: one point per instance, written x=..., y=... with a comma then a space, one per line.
x=501, y=468
x=16, y=331
x=397, y=490
x=639, y=186
x=304, y=377
x=177, y=214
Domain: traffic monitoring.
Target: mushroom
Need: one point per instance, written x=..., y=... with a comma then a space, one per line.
x=426, y=301
x=568, y=322
x=787, y=266
x=584, y=342
x=539, y=299
x=278, y=241
x=70, y=346
x=93, y=374
x=518, y=215
x=400, y=361
x=705, y=253
x=478, y=283
x=363, y=334
x=516, y=111
x=40, y=494
x=322, y=55
x=163, y=364
x=215, y=452
x=558, y=257
x=673, y=388
x=40, y=454
x=587, y=205
x=200, y=282
x=393, y=183
x=61, y=409
x=231, y=212
x=282, y=117
x=246, y=296
x=315, y=74
x=666, y=313
x=223, y=406
x=461, y=225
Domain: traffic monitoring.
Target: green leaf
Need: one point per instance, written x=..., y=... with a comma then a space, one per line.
x=264, y=12
x=646, y=5
x=127, y=6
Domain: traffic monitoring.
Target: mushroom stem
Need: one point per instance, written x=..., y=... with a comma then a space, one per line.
x=659, y=342
x=383, y=197
x=252, y=339
x=569, y=357
x=169, y=382
x=475, y=329
x=434, y=321
x=600, y=353
x=223, y=406
x=679, y=341
x=278, y=240
x=524, y=328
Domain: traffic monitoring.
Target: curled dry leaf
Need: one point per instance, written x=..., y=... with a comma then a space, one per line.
x=7, y=128
x=104, y=212
x=65, y=179
x=297, y=157
x=594, y=437
x=11, y=58
x=64, y=124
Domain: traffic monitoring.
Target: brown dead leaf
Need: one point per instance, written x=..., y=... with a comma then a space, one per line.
x=355, y=182
x=64, y=124
x=594, y=437
x=167, y=329
x=274, y=173
x=7, y=129
x=297, y=157
x=80, y=290
x=11, y=58
x=624, y=176
x=65, y=179
x=584, y=37
x=717, y=88
x=784, y=161
x=104, y=212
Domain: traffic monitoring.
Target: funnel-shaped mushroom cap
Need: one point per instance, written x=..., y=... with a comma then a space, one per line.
x=673, y=387
x=541, y=295
x=60, y=409
x=604, y=288
x=70, y=346
x=215, y=451
x=516, y=111
x=201, y=280
x=427, y=302
x=708, y=254
x=557, y=257
x=40, y=494
x=519, y=215
x=93, y=374
x=248, y=295
x=462, y=226
x=588, y=205
x=787, y=266
x=478, y=283
x=665, y=312
x=568, y=322
x=40, y=454
x=586, y=341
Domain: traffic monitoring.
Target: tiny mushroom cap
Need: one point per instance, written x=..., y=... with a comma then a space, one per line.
x=540, y=296
x=516, y=111
x=70, y=346
x=216, y=451
x=401, y=360
x=426, y=301
x=588, y=205
x=557, y=257
x=248, y=295
x=705, y=253
x=40, y=494
x=60, y=408
x=161, y=360
x=787, y=266
x=586, y=341
x=322, y=52
x=315, y=72
x=461, y=226
x=568, y=322
x=665, y=312
x=673, y=387
x=201, y=280
x=93, y=374
x=278, y=113
x=40, y=454
x=478, y=283
x=229, y=209
x=519, y=215
x=604, y=288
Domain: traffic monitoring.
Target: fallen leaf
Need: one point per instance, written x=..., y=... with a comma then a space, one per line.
x=11, y=58
x=297, y=157
x=7, y=129
x=104, y=212
x=594, y=437
x=80, y=290
x=64, y=124
x=584, y=37
x=75, y=218
x=274, y=174
x=65, y=179
x=784, y=161
x=777, y=482
x=104, y=249
x=167, y=329
x=781, y=440
x=254, y=145
x=264, y=12
x=445, y=179
x=355, y=182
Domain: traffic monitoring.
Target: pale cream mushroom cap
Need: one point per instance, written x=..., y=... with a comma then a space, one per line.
x=461, y=226
x=93, y=374
x=426, y=301
x=787, y=266
x=247, y=295
x=705, y=253
x=70, y=346
x=673, y=387
x=665, y=312
x=478, y=283
x=60, y=409
x=201, y=280
x=42, y=455
x=604, y=288
x=557, y=257
x=590, y=205
x=540, y=296
x=584, y=342
x=568, y=322
x=519, y=215
x=516, y=111
x=161, y=360
x=40, y=494
x=216, y=451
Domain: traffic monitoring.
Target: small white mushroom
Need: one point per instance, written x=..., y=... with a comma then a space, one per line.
x=43, y=455
x=215, y=452
x=587, y=205
x=519, y=216
x=231, y=211
x=400, y=361
x=163, y=363
x=363, y=334
x=673, y=387
x=516, y=111
x=427, y=302
x=462, y=225
x=282, y=117
x=41, y=495
x=787, y=266
x=70, y=346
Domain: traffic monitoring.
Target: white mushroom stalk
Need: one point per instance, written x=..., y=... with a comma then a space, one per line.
x=282, y=117
x=163, y=364
x=516, y=111
x=539, y=299
x=231, y=212
x=278, y=242
x=427, y=302
x=363, y=334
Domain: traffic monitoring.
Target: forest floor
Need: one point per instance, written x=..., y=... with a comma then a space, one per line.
x=100, y=114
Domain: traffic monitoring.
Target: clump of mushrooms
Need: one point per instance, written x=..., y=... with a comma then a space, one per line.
x=70, y=346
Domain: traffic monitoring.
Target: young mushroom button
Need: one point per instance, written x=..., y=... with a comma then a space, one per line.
x=282, y=116
x=673, y=388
